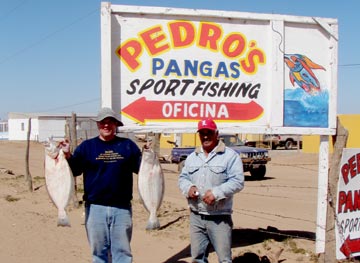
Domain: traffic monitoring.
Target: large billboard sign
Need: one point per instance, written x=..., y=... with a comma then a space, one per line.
x=163, y=69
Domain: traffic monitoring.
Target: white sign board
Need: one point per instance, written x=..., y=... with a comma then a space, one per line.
x=163, y=69
x=347, y=227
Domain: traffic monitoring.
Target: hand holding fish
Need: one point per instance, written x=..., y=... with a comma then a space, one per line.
x=147, y=145
x=65, y=146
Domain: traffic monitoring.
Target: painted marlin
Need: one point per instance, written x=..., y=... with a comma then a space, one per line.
x=301, y=72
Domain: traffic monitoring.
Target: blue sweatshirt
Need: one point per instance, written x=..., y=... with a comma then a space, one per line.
x=107, y=168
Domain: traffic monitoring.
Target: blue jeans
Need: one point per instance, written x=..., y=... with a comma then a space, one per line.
x=109, y=231
x=216, y=230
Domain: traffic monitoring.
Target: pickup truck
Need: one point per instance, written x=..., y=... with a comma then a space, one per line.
x=254, y=159
x=287, y=141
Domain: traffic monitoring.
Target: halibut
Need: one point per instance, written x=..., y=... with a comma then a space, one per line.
x=59, y=180
x=151, y=186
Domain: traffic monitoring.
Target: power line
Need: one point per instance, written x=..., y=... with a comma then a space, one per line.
x=350, y=65
x=12, y=10
x=46, y=37
x=71, y=105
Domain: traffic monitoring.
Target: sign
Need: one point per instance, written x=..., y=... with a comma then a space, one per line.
x=166, y=68
x=347, y=227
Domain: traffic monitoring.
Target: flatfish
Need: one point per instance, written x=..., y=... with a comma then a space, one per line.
x=151, y=185
x=59, y=180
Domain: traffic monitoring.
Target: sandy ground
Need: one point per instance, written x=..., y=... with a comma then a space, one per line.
x=276, y=212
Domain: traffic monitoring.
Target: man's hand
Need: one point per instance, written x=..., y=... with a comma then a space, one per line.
x=193, y=192
x=65, y=147
x=208, y=198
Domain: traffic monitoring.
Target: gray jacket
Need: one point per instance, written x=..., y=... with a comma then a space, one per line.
x=221, y=172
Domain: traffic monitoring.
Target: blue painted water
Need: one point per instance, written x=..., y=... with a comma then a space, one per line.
x=305, y=110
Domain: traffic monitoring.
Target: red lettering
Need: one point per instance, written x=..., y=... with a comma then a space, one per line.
x=209, y=36
x=345, y=173
x=234, y=45
x=357, y=200
x=153, y=38
x=254, y=58
x=341, y=201
x=352, y=166
x=129, y=52
x=183, y=33
x=349, y=203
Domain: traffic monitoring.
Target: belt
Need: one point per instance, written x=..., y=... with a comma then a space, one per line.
x=122, y=206
x=211, y=217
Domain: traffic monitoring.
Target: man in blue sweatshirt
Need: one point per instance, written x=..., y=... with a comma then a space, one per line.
x=107, y=163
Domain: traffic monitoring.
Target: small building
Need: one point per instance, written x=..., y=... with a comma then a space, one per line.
x=45, y=125
x=4, y=135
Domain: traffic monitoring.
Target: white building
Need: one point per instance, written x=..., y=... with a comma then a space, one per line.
x=4, y=135
x=45, y=125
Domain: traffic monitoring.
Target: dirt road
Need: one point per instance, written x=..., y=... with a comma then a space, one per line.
x=276, y=212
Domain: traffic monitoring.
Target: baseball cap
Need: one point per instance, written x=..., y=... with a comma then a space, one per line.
x=207, y=124
x=108, y=113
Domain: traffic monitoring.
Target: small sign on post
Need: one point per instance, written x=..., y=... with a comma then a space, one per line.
x=347, y=227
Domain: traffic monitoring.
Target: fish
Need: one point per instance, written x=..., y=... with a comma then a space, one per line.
x=301, y=73
x=151, y=186
x=59, y=180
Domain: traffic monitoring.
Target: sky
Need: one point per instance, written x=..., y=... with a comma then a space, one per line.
x=50, y=50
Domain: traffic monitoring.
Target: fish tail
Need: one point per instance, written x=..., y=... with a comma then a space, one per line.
x=153, y=222
x=63, y=219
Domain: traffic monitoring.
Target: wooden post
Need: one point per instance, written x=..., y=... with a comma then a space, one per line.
x=27, y=154
x=339, y=142
x=157, y=144
x=73, y=145
x=67, y=130
x=73, y=132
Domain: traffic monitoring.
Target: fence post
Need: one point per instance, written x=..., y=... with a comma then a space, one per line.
x=339, y=142
x=73, y=144
x=27, y=168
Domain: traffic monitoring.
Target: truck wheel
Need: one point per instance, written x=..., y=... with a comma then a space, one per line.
x=258, y=173
x=288, y=145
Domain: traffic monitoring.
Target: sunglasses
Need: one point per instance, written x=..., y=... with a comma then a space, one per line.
x=206, y=133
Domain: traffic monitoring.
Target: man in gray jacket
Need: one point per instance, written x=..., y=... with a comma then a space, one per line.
x=211, y=175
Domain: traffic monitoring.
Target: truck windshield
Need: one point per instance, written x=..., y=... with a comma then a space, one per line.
x=231, y=140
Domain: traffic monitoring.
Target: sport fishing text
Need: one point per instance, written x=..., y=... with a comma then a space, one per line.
x=176, y=87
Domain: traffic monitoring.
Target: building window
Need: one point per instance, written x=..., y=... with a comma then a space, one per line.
x=22, y=126
x=4, y=127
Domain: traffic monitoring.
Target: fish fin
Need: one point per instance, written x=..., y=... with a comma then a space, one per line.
x=292, y=80
x=152, y=225
x=311, y=64
x=153, y=222
x=63, y=219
